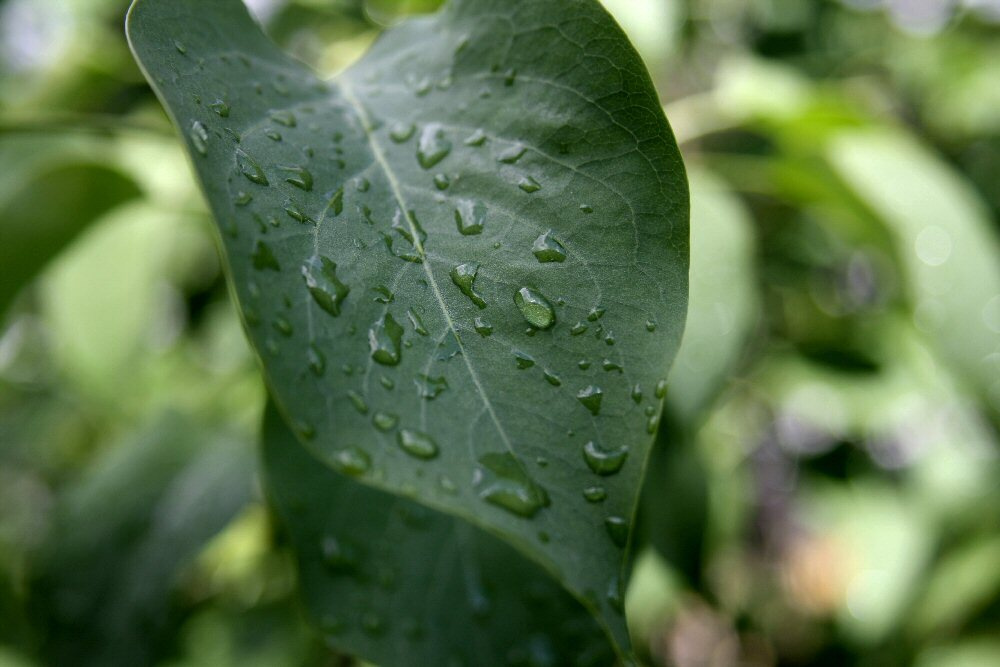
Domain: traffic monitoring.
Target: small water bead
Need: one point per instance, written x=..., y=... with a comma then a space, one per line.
x=482, y=327
x=523, y=360
x=358, y=401
x=535, y=308
x=385, y=296
x=404, y=224
x=464, y=277
x=249, y=168
x=604, y=461
x=441, y=181
x=447, y=485
x=594, y=494
x=652, y=424
x=586, y=208
x=583, y=364
x=272, y=134
x=401, y=132
x=650, y=410
x=362, y=184
x=470, y=216
x=429, y=387
x=432, y=146
x=615, y=594
x=505, y=483
x=617, y=528
x=650, y=325
x=509, y=77
x=477, y=138
x=528, y=184
x=637, y=394
x=388, y=383
x=304, y=429
x=339, y=556
x=263, y=258
x=284, y=117
x=385, y=421
x=578, y=329
x=416, y=322
x=417, y=444
x=609, y=339
x=609, y=366
x=220, y=108
x=351, y=461
x=199, y=137
x=299, y=177
x=552, y=378
x=590, y=397
x=181, y=49
x=316, y=360
x=384, y=340
x=336, y=202
x=512, y=154
x=661, y=388
x=548, y=249
x=320, y=275
x=595, y=313
x=282, y=326
x=233, y=134
x=243, y=198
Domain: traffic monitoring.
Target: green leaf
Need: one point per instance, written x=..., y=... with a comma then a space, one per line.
x=463, y=262
x=387, y=577
x=43, y=215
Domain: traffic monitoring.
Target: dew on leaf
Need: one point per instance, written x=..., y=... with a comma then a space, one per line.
x=385, y=421
x=351, y=461
x=528, y=184
x=637, y=394
x=578, y=329
x=282, y=326
x=464, y=277
x=617, y=528
x=338, y=555
x=249, y=168
x=263, y=258
x=400, y=132
x=384, y=339
x=417, y=444
x=505, y=483
x=548, y=249
x=416, y=322
x=482, y=327
x=470, y=217
x=590, y=397
x=300, y=177
x=220, y=108
x=604, y=461
x=242, y=198
x=552, y=379
x=358, y=401
x=199, y=137
x=523, y=360
x=429, y=387
x=595, y=313
x=441, y=181
x=512, y=154
x=432, y=146
x=320, y=275
x=594, y=494
x=284, y=117
x=316, y=360
x=535, y=308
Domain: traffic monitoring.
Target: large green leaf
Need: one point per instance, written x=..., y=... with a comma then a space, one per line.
x=389, y=578
x=463, y=262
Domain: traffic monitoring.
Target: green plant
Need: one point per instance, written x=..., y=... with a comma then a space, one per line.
x=463, y=266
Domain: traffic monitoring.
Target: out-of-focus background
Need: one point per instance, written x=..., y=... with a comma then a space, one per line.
x=827, y=490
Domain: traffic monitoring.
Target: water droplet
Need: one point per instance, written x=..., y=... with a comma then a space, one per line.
x=351, y=461
x=388, y=383
x=477, y=138
x=220, y=107
x=617, y=529
x=385, y=296
x=447, y=485
x=441, y=181
x=242, y=199
x=416, y=322
x=305, y=429
x=358, y=401
x=295, y=213
x=548, y=249
x=181, y=49
x=595, y=494
x=249, y=168
x=430, y=387
x=433, y=146
x=272, y=134
x=262, y=257
x=603, y=461
x=384, y=339
x=512, y=154
x=470, y=216
x=483, y=328
x=199, y=137
x=652, y=424
x=509, y=77
x=590, y=397
x=535, y=308
x=661, y=389
x=552, y=379
x=404, y=224
x=528, y=184
x=505, y=483
x=417, y=443
x=400, y=132
x=578, y=329
x=595, y=313
x=650, y=325
x=464, y=277
x=609, y=366
x=385, y=421
x=362, y=185
x=637, y=394
x=282, y=326
x=583, y=364
x=320, y=275
x=336, y=203
x=316, y=359
x=338, y=555
x=523, y=360
x=609, y=339
x=300, y=177
x=284, y=117
x=586, y=208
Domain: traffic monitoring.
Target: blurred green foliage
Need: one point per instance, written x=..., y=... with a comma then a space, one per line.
x=826, y=488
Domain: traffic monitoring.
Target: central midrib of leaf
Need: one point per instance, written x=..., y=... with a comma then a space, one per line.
x=380, y=159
